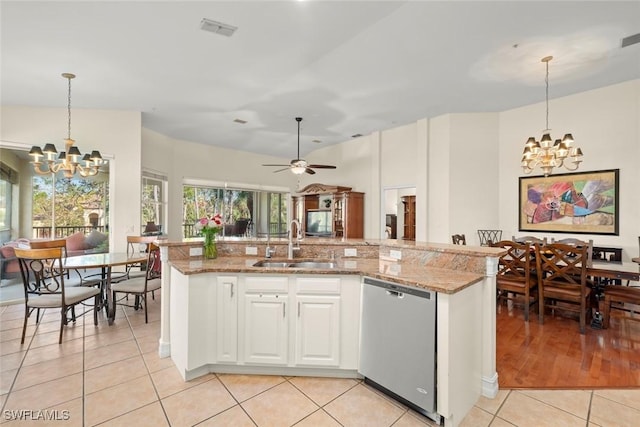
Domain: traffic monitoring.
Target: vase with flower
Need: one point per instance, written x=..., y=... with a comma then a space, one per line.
x=209, y=227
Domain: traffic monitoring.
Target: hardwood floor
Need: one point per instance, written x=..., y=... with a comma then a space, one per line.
x=555, y=355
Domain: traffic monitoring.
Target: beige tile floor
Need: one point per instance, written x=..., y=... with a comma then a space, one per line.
x=112, y=376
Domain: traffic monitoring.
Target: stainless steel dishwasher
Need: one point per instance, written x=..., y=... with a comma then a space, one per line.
x=398, y=343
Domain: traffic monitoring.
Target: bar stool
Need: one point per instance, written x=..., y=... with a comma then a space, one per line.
x=487, y=237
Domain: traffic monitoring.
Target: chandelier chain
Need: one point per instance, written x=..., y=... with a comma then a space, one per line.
x=546, y=81
x=69, y=109
x=547, y=153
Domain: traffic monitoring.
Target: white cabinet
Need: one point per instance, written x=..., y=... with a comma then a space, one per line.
x=227, y=319
x=265, y=320
x=264, y=323
x=318, y=330
x=317, y=326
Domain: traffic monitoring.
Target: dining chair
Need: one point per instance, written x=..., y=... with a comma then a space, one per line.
x=529, y=239
x=577, y=242
x=562, y=277
x=72, y=277
x=487, y=237
x=614, y=295
x=135, y=245
x=140, y=286
x=516, y=279
x=44, y=286
x=459, y=239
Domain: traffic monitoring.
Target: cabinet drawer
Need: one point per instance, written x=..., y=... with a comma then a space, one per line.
x=267, y=284
x=318, y=285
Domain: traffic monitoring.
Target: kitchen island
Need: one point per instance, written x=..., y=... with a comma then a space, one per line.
x=227, y=315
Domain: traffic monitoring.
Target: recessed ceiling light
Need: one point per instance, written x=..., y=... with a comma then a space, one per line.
x=240, y=121
x=217, y=27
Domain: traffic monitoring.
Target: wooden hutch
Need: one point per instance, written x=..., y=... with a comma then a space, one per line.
x=409, y=203
x=342, y=208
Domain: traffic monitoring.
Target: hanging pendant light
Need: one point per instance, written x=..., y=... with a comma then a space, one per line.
x=546, y=153
x=68, y=161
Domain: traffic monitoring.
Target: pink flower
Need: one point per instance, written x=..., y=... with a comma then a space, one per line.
x=211, y=225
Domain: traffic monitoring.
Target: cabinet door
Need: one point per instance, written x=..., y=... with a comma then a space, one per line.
x=265, y=329
x=318, y=330
x=227, y=319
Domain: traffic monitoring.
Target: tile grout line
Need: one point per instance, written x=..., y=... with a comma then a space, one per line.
x=590, y=403
x=320, y=407
x=236, y=400
x=153, y=384
x=26, y=352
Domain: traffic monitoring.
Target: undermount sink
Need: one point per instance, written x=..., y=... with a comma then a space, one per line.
x=297, y=264
x=278, y=264
x=313, y=264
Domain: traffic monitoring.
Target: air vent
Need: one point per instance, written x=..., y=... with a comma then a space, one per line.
x=240, y=121
x=317, y=141
x=628, y=41
x=217, y=27
x=357, y=135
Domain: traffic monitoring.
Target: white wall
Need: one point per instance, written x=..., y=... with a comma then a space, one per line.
x=181, y=160
x=469, y=156
x=605, y=123
x=115, y=133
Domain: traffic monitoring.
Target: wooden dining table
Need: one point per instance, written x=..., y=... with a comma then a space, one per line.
x=609, y=271
x=105, y=262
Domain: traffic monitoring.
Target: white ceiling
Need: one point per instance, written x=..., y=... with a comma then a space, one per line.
x=346, y=67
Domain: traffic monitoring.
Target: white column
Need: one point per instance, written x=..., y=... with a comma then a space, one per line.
x=164, y=343
x=489, y=373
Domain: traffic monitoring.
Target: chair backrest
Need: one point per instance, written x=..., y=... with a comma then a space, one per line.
x=487, y=237
x=132, y=241
x=241, y=226
x=154, y=265
x=459, y=239
x=562, y=263
x=48, y=244
x=517, y=263
x=529, y=239
x=577, y=242
x=41, y=271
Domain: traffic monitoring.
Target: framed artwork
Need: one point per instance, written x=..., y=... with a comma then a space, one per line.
x=581, y=202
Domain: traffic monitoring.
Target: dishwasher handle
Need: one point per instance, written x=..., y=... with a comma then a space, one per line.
x=395, y=294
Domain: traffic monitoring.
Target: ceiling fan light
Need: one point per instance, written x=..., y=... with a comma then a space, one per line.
x=298, y=170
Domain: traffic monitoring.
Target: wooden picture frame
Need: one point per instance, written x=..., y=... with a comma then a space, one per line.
x=580, y=202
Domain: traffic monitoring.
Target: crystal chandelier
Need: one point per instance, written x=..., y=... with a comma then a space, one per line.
x=546, y=153
x=69, y=160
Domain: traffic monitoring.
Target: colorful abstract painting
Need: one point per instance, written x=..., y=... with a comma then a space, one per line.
x=584, y=202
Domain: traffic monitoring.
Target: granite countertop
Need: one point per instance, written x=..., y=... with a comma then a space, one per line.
x=431, y=278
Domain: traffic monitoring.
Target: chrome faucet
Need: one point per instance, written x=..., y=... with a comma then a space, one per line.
x=291, y=246
x=269, y=251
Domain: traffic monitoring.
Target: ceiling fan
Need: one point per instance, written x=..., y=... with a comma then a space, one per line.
x=299, y=166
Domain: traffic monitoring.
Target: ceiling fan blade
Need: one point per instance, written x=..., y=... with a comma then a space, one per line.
x=276, y=165
x=280, y=170
x=322, y=166
x=309, y=171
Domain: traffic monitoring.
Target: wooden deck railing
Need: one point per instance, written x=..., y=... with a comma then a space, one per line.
x=65, y=231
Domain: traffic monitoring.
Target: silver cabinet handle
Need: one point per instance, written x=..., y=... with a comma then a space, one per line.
x=284, y=304
x=298, y=309
x=232, y=290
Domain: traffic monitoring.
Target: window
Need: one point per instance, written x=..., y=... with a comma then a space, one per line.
x=245, y=211
x=8, y=178
x=154, y=200
x=64, y=206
